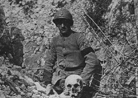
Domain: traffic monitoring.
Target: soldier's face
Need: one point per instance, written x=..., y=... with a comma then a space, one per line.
x=63, y=26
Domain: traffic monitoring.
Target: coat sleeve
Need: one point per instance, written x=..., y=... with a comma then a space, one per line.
x=50, y=62
x=91, y=60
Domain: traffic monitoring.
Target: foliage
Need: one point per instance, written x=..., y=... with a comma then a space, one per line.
x=109, y=25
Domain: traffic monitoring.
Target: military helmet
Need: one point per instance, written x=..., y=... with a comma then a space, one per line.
x=63, y=14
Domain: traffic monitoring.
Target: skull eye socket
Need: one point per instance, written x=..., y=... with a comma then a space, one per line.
x=76, y=85
x=69, y=85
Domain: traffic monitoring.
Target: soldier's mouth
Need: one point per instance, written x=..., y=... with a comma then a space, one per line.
x=63, y=30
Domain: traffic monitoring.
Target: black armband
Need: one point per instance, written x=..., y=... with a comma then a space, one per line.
x=87, y=51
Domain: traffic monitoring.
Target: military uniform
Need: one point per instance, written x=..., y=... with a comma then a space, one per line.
x=71, y=55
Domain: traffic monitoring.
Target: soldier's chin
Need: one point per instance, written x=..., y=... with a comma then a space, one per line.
x=63, y=31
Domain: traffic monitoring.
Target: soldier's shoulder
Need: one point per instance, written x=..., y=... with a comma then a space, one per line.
x=55, y=38
x=78, y=34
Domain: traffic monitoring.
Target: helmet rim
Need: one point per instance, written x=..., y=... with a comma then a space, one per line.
x=63, y=14
x=69, y=20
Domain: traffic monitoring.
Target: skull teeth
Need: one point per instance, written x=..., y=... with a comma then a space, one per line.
x=73, y=96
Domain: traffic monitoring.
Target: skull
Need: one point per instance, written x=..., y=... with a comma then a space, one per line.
x=73, y=86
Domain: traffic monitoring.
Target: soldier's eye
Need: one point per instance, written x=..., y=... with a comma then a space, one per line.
x=69, y=85
x=62, y=21
x=76, y=85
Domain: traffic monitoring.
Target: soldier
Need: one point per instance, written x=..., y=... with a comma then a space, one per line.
x=70, y=54
x=11, y=38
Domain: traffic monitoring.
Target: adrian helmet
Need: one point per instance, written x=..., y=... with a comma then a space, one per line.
x=63, y=14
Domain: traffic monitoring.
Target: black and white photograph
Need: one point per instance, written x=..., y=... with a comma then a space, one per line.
x=68, y=48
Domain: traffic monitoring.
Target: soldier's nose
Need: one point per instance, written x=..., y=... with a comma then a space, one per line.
x=62, y=25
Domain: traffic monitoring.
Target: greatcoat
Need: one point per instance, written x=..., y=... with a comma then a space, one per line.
x=71, y=55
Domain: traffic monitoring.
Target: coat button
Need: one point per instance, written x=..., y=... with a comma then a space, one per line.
x=64, y=50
